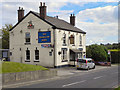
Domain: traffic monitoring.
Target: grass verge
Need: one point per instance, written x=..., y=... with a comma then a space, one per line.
x=117, y=88
x=12, y=67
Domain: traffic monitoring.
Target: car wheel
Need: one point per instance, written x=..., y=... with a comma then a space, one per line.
x=88, y=68
x=94, y=67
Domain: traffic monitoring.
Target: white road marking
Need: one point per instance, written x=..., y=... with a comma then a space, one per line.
x=73, y=83
x=97, y=77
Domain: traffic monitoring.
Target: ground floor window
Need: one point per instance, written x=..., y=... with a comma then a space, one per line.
x=36, y=54
x=64, y=54
x=27, y=54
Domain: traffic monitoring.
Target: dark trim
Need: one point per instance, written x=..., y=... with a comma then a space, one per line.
x=36, y=61
x=54, y=27
x=62, y=66
x=27, y=60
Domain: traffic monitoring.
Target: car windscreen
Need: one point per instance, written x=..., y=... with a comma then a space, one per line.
x=81, y=61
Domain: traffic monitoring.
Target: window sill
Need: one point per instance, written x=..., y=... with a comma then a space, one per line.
x=64, y=44
x=27, y=43
x=36, y=61
x=80, y=45
x=73, y=45
x=27, y=60
x=64, y=60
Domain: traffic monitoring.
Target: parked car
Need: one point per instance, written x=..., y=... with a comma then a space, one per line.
x=85, y=63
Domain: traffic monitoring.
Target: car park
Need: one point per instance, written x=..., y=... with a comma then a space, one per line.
x=85, y=63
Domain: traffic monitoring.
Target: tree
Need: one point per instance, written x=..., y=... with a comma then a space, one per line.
x=5, y=36
x=97, y=52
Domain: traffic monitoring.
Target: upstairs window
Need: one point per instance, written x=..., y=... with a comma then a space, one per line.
x=72, y=39
x=36, y=54
x=27, y=54
x=27, y=37
x=64, y=39
x=80, y=40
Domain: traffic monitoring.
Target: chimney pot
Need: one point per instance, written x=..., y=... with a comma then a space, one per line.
x=40, y=3
x=44, y=4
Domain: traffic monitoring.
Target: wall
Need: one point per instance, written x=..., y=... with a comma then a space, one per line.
x=24, y=76
x=59, y=42
x=17, y=41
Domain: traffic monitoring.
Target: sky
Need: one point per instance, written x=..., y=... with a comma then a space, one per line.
x=98, y=18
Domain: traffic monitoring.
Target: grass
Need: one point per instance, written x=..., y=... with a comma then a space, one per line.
x=117, y=88
x=12, y=67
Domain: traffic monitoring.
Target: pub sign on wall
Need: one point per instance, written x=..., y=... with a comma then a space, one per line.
x=44, y=37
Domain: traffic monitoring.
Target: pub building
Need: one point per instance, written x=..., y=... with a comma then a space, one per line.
x=44, y=40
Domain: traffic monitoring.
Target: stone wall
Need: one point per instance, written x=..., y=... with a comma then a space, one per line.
x=30, y=75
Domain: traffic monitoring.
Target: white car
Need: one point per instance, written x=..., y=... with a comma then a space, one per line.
x=85, y=63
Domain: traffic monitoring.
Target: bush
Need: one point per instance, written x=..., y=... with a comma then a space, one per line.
x=115, y=56
x=97, y=52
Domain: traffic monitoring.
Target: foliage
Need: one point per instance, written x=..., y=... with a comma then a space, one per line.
x=5, y=36
x=115, y=56
x=11, y=67
x=117, y=88
x=97, y=52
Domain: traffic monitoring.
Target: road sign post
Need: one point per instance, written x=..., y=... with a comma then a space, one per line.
x=109, y=53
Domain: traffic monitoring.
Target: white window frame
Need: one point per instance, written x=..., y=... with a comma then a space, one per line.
x=37, y=55
x=64, y=54
x=80, y=40
x=27, y=55
x=27, y=37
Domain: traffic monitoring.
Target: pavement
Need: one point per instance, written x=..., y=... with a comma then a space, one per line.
x=68, y=74
x=72, y=70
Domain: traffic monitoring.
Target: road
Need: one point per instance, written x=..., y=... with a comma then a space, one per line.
x=104, y=78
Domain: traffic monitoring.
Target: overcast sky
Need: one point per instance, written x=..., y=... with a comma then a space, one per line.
x=98, y=18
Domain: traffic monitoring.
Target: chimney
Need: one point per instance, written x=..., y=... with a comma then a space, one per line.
x=72, y=20
x=42, y=10
x=20, y=13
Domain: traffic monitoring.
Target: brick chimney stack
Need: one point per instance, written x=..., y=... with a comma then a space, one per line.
x=20, y=13
x=42, y=10
x=72, y=20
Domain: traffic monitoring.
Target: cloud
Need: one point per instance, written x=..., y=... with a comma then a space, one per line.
x=103, y=28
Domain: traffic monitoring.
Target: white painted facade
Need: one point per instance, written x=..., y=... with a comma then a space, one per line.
x=18, y=47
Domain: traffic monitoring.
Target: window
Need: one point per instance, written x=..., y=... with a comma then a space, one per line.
x=80, y=40
x=80, y=55
x=64, y=39
x=27, y=54
x=36, y=54
x=64, y=54
x=71, y=39
x=27, y=37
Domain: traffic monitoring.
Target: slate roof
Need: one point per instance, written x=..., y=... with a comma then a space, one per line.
x=56, y=23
